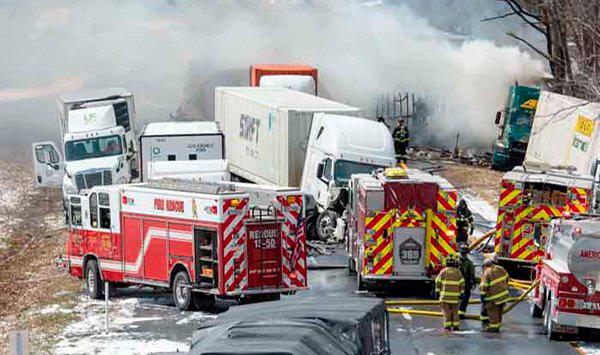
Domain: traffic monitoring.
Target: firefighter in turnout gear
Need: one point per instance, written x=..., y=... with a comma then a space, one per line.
x=449, y=285
x=464, y=222
x=494, y=291
x=467, y=269
x=401, y=140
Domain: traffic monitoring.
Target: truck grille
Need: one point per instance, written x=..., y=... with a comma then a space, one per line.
x=89, y=180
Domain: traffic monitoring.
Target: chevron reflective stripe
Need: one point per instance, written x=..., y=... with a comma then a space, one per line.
x=293, y=241
x=235, y=271
x=509, y=196
x=578, y=201
x=378, y=252
x=446, y=200
x=409, y=218
x=440, y=237
x=499, y=231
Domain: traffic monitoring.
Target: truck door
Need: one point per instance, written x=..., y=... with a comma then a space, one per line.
x=409, y=256
x=264, y=254
x=47, y=164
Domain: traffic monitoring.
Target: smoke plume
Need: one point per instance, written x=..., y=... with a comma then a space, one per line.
x=173, y=54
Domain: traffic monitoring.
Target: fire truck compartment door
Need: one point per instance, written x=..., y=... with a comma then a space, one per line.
x=409, y=251
x=47, y=164
x=264, y=254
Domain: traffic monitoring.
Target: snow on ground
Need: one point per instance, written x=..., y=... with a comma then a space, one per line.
x=139, y=324
x=480, y=207
x=589, y=349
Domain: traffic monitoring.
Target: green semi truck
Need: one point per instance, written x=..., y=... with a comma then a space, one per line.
x=515, y=122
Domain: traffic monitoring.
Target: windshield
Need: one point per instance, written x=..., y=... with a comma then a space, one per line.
x=93, y=148
x=343, y=169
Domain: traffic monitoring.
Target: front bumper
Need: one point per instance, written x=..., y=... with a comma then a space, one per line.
x=577, y=320
x=395, y=278
x=264, y=291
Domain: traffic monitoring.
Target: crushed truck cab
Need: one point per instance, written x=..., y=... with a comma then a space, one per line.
x=529, y=199
x=401, y=225
x=207, y=239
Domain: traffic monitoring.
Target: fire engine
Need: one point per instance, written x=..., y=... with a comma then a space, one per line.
x=568, y=296
x=201, y=240
x=529, y=199
x=401, y=225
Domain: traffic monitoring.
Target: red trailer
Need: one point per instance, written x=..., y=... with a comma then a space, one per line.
x=296, y=77
x=201, y=240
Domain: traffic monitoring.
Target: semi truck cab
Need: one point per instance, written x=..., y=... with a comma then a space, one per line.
x=339, y=146
x=515, y=123
x=98, y=143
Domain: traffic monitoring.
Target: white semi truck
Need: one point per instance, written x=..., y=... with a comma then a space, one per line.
x=98, y=142
x=283, y=137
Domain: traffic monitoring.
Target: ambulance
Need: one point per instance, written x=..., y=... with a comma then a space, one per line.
x=401, y=225
x=529, y=199
x=201, y=240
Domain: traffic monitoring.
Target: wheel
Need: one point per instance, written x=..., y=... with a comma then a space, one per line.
x=326, y=223
x=360, y=284
x=93, y=282
x=549, y=325
x=351, y=266
x=182, y=295
x=205, y=302
x=535, y=311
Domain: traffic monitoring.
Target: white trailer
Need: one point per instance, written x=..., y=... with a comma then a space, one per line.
x=267, y=129
x=565, y=134
x=194, y=145
x=283, y=137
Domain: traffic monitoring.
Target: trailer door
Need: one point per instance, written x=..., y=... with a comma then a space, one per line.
x=264, y=254
x=409, y=255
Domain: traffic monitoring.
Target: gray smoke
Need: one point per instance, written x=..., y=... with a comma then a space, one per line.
x=173, y=53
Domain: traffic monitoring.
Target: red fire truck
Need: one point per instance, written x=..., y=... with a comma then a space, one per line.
x=401, y=225
x=201, y=240
x=568, y=295
x=529, y=199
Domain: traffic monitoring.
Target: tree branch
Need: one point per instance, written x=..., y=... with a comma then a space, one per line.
x=498, y=17
x=518, y=10
x=530, y=46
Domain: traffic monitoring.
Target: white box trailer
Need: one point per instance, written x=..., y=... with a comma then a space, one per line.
x=178, y=142
x=565, y=134
x=267, y=130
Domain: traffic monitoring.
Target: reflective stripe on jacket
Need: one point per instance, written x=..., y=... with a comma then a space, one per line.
x=449, y=284
x=494, y=284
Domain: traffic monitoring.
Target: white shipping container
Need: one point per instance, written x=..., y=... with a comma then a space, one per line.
x=267, y=130
x=565, y=133
x=180, y=141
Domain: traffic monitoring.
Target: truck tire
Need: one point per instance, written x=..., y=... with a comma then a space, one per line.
x=326, y=223
x=93, y=281
x=204, y=302
x=182, y=295
x=360, y=284
x=549, y=325
x=535, y=311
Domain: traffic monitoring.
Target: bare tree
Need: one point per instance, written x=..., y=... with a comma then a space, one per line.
x=572, y=32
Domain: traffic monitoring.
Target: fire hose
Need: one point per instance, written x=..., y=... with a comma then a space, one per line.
x=479, y=240
x=402, y=310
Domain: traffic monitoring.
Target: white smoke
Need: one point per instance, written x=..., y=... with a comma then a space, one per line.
x=173, y=53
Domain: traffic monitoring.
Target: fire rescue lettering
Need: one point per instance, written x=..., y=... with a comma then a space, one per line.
x=168, y=205
x=264, y=239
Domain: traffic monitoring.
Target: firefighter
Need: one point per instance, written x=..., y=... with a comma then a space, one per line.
x=401, y=139
x=494, y=291
x=464, y=222
x=449, y=285
x=467, y=269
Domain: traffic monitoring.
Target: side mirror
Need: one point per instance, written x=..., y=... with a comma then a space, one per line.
x=320, y=169
x=498, y=117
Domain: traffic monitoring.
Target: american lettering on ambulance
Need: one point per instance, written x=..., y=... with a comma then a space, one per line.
x=168, y=205
x=590, y=254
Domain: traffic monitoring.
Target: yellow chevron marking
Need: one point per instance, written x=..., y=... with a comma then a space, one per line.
x=509, y=197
